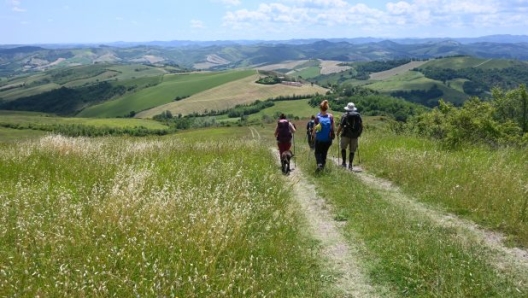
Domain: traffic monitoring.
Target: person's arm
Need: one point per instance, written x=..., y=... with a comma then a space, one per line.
x=276, y=131
x=292, y=128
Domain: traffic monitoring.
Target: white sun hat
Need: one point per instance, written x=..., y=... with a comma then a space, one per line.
x=350, y=107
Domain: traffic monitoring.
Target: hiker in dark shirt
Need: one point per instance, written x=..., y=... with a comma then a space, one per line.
x=309, y=132
x=350, y=128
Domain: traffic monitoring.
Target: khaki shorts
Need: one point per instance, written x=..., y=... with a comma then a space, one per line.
x=349, y=143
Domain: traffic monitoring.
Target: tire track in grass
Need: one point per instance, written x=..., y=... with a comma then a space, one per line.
x=340, y=256
x=501, y=257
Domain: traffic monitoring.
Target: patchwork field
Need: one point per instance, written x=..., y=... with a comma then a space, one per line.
x=172, y=87
x=242, y=91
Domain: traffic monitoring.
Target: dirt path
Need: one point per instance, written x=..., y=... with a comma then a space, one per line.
x=501, y=257
x=340, y=256
x=343, y=257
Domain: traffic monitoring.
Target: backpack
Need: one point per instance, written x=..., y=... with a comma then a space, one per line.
x=353, y=125
x=284, y=133
x=324, y=134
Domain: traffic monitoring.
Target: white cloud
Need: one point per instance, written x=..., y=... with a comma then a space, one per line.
x=197, y=24
x=16, y=5
x=397, y=16
x=228, y=2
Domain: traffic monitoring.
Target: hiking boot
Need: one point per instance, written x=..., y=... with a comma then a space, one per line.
x=319, y=168
x=350, y=167
x=343, y=165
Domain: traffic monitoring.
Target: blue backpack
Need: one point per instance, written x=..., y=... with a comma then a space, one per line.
x=325, y=134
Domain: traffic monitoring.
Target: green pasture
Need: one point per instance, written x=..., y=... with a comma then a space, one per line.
x=306, y=73
x=130, y=72
x=12, y=135
x=413, y=80
x=172, y=86
x=466, y=62
x=25, y=119
x=21, y=91
x=457, y=84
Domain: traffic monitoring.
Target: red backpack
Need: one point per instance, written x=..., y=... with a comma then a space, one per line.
x=284, y=134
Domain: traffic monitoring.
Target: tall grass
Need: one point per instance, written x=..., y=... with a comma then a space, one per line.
x=406, y=253
x=152, y=217
x=489, y=187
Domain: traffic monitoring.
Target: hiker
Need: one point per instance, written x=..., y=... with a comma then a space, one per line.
x=323, y=134
x=284, y=133
x=309, y=132
x=350, y=127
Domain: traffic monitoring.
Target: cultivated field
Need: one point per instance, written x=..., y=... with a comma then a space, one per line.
x=173, y=86
x=242, y=91
x=328, y=67
x=383, y=75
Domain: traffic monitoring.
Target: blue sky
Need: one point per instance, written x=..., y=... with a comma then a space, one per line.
x=99, y=21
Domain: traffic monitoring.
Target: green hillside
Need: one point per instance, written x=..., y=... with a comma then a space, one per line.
x=172, y=87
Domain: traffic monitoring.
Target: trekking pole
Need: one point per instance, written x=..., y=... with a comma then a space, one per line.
x=359, y=156
x=293, y=157
x=338, y=147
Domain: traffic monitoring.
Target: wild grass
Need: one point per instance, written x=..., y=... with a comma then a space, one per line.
x=404, y=251
x=489, y=187
x=166, y=217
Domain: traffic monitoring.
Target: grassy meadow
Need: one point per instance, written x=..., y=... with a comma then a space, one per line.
x=27, y=119
x=406, y=250
x=191, y=216
x=489, y=187
x=205, y=213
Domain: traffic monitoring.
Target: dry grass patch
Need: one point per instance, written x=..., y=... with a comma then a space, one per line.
x=329, y=67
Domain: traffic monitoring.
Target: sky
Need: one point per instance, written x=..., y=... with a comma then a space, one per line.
x=103, y=21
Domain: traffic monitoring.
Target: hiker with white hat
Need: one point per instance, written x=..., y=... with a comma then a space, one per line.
x=350, y=129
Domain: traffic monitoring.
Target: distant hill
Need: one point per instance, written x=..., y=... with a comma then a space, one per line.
x=218, y=55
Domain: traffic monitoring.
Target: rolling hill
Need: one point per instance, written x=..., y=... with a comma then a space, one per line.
x=235, y=54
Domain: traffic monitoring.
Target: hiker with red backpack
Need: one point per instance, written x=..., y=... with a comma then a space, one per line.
x=350, y=127
x=284, y=133
x=323, y=134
